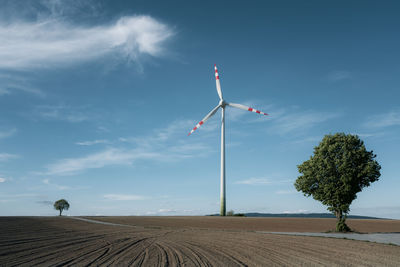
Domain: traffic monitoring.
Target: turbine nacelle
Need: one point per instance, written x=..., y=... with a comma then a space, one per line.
x=222, y=103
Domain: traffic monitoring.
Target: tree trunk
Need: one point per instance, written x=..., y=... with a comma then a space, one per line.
x=341, y=225
x=60, y=211
x=339, y=215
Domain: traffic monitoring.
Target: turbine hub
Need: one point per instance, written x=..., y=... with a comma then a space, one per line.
x=222, y=103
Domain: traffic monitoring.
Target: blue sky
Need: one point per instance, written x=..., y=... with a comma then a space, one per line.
x=97, y=98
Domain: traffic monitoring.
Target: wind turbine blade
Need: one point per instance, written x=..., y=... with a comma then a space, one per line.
x=246, y=108
x=217, y=81
x=209, y=115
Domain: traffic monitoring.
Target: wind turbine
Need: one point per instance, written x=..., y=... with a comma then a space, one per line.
x=222, y=104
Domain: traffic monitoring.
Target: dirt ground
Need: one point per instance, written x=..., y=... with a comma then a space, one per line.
x=189, y=241
x=255, y=224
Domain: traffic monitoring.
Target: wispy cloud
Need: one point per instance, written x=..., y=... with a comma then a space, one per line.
x=7, y=133
x=10, y=197
x=163, y=145
x=168, y=144
x=57, y=186
x=94, y=142
x=167, y=211
x=53, y=41
x=310, y=139
x=63, y=112
x=261, y=181
x=124, y=197
x=296, y=211
x=107, y=157
x=45, y=202
x=301, y=120
x=23, y=195
x=285, y=120
x=6, y=156
x=388, y=119
x=190, y=150
x=170, y=139
x=11, y=83
x=255, y=181
x=102, y=129
x=2, y=180
x=177, y=127
x=367, y=135
x=117, y=156
x=286, y=192
x=336, y=76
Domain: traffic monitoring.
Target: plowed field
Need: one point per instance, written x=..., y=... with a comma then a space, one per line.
x=190, y=241
x=255, y=224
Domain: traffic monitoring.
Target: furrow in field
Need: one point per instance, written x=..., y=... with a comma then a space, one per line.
x=27, y=241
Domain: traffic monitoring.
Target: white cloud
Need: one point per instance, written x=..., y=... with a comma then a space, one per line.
x=59, y=187
x=302, y=120
x=383, y=120
x=124, y=197
x=10, y=83
x=190, y=150
x=310, y=139
x=169, y=139
x=261, y=181
x=164, y=145
x=7, y=133
x=255, y=181
x=16, y=197
x=103, y=129
x=62, y=187
x=6, y=156
x=110, y=156
x=284, y=120
x=45, y=202
x=62, y=112
x=2, y=180
x=94, y=142
x=117, y=156
x=296, y=211
x=177, y=127
x=26, y=89
x=366, y=135
x=286, y=192
x=22, y=195
x=336, y=76
x=53, y=42
x=166, y=211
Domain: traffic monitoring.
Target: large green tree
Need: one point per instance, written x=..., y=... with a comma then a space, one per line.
x=61, y=205
x=339, y=169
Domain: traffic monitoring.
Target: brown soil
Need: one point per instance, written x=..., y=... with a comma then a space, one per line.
x=191, y=241
x=256, y=224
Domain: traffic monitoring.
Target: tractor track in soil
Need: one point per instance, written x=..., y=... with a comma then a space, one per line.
x=58, y=241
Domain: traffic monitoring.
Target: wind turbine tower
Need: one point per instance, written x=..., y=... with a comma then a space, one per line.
x=222, y=104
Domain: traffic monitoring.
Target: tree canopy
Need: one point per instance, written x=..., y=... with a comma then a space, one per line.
x=339, y=169
x=61, y=205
